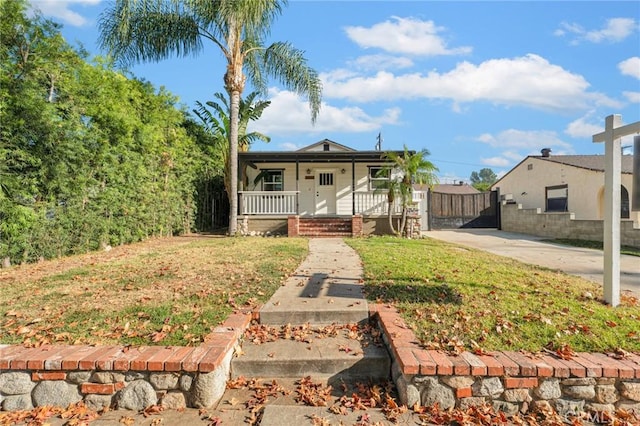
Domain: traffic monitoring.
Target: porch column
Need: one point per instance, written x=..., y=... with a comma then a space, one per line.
x=353, y=185
x=297, y=186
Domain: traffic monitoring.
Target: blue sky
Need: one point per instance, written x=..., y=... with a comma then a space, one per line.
x=478, y=84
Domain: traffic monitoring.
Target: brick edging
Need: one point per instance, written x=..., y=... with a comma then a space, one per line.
x=413, y=359
x=203, y=358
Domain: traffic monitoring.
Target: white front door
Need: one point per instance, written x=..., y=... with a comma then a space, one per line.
x=325, y=192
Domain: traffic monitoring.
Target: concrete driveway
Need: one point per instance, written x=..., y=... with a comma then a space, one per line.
x=586, y=263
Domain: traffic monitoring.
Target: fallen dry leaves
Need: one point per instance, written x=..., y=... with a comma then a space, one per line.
x=486, y=415
x=364, y=333
x=124, y=295
x=75, y=414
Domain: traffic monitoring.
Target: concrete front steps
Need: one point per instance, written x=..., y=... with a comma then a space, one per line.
x=324, y=318
x=329, y=359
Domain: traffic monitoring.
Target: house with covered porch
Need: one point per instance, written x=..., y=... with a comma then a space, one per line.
x=323, y=189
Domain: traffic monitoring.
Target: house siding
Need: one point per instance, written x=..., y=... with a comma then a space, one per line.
x=526, y=187
x=307, y=186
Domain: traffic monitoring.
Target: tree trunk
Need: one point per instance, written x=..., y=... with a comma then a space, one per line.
x=393, y=231
x=403, y=224
x=233, y=161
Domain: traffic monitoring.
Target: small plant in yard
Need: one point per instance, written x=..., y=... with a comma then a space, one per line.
x=458, y=299
x=169, y=291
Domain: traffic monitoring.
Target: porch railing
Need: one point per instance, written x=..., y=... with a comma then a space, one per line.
x=268, y=202
x=286, y=203
x=374, y=203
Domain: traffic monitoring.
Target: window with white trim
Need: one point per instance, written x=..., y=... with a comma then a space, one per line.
x=378, y=177
x=273, y=180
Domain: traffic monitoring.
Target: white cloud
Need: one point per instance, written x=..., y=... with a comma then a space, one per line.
x=633, y=97
x=496, y=161
x=288, y=113
x=530, y=141
x=405, y=36
x=382, y=62
x=614, y=30
x=289, y=146
x=528, y=81
x=61, y=9
x=630, y=67
x=580, y=128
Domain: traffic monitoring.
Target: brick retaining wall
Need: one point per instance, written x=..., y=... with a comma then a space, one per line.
x=512, y=381
x=128, y=377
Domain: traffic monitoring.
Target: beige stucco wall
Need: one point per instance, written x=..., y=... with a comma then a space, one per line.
x=515, y=218
x=585, y=187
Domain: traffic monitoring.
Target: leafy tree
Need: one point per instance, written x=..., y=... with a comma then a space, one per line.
x=88, y=157
x=153, y=30
x=218, y=124
x=403, y=172
x=483, y=179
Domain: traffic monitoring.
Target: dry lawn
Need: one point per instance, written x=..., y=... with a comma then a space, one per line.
x=163, y=291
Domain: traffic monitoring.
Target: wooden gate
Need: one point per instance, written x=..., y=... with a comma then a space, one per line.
x=450, y=211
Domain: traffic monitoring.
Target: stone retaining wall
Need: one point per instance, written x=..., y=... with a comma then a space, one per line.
x=126, y=378
x=177, y=377
x=511, y=381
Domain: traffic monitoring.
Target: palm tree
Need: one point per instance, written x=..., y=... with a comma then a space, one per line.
x=152, y=30
x=217, y=124
x=403, y=172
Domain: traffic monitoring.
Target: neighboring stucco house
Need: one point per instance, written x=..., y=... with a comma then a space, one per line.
x=328, y=188
x=565, y=183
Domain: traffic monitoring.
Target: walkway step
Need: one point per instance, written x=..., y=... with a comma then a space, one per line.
x=333, y=358
x=318, y=298
x=275, y=415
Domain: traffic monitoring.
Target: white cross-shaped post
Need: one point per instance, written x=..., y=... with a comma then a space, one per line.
x=612, y=169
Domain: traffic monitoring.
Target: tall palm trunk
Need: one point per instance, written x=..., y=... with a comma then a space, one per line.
x=234, y=81
x=390, y=200
x=233, y=162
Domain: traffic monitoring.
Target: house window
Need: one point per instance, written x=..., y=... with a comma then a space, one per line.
x=625, y=206
x=378, y=177
x=529, y=166
x=557, y=198
x=325, y=179
x=273, y=180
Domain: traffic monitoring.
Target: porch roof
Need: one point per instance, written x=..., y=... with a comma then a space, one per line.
x=313, y=156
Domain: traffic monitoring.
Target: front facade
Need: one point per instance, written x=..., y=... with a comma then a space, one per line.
x=324, y=180
x=565, y=183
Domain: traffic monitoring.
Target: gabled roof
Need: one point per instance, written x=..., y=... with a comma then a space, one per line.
x=339, y=154
x=587, y=162
x=455, y=189
x=333, y=146
x=312, y=156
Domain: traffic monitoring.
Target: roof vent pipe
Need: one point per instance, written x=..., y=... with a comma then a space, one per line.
x=545, y=152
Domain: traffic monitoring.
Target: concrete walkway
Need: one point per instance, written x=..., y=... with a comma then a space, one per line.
x=583, y=262
x=326, y=288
